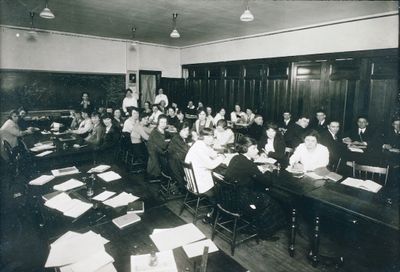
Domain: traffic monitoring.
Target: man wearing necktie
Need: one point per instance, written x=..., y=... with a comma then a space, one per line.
x=330, y=139
x=362, y=135
x=392, y=138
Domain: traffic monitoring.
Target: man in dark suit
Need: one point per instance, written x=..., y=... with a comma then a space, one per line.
x=286, y=122
x=332, y=141
x=320, y=123
x=361, y=135
x=392, y=138
x=255, y=130
x=295, y=134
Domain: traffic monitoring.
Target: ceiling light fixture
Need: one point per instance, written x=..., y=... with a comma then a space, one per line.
x=32, y=31
x=174, y=34
x=46, y=12
x=247, y=16
x=133, y=43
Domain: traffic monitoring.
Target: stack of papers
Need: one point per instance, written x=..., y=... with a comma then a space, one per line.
x=165, y=262
x=42, y=147
x=76, y=252
x=44, y=153
x=356, y=149
x=121, y=200
x=176, y=237
x=103, y=196
x=65, y=171
x=68, y=206
x=68, y=185
x=126, y=220
x=197, y=248
x=43, y=179
x=367, y=185
x=109, y=176
x=100, y=168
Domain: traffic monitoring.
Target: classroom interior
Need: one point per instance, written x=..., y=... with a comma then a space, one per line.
x=302, y=57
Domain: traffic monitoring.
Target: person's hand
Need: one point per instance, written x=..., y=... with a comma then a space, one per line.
x=30, y=130
x=346, y=140
x=387, y=146
x=298, y=167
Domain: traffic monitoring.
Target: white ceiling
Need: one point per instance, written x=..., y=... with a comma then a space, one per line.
x=198, y=21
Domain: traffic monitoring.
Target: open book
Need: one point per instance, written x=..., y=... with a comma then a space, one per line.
x=367, y=185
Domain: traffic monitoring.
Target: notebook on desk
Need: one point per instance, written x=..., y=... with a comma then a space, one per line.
x=65, y=171
x=126, y=220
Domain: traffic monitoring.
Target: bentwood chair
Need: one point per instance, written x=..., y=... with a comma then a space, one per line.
x=13, y=158
x=194, y=201
x=375, y=173
x=229, y=221
x=238, y=136
x=169, y=189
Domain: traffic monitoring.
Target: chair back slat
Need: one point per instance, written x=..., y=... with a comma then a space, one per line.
x=190, y=178
x=227, y=194
x=375, y=173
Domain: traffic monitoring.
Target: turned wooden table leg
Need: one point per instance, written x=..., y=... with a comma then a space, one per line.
x=315, y=248
x=292, y=234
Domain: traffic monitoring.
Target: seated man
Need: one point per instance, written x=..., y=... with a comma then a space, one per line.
x=320, y=123
x=309, y=155
x=85, y=126
x=286, y=121
x=361, y=135
x=331, y=140
x=204, y=159
x=255, y=130
x=96, y=136
x=392, y=138
x=295, y=134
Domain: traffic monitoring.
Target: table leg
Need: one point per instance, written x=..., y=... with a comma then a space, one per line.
x=292, y=234
x=315, y=248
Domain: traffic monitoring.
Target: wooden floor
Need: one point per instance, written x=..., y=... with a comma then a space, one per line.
x=23, y=248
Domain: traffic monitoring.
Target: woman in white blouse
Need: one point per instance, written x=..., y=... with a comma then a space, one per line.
x=204, y=159
x=202, y=122
x=130, y=100
x=237, y=116
x=220, y=115
x=223, y=134
x=309, y=155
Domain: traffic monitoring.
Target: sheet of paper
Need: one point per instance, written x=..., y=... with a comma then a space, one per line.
x=313, y=175
x=177, y=237
x=160, y=230
x=92, y=263
x=42, y=147
x=66, y=237
x=99, y=168
x=65, y=171
x=263, y=159
x=367, y=185
x=104, y=195
x=44, y=153
x=165, y=262
x=120, y=200
x=107, y=268
x=74, y=249
x=197, y=248
x=78, y=208
x=356, y=149
x=58, y=201
x=68, y=185
x=109, y=176
x=43, y=179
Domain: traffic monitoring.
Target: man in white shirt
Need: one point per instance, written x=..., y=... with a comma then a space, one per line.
x=204, y=159
x=309, y=155
x=161, y=96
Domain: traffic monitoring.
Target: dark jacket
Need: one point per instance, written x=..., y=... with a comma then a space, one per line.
x=255, y=131
x=279, y=146
x=111, y=138
x=96, y=136
x=295, y=135
x=368, y=136
x=156, y=147
x=318, y=127
x=177, y=150
x=335, y=146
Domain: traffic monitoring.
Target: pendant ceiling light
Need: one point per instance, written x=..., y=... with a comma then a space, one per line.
x=46, y=13
x=174, y=34
x=133, y=43
x=247, y=16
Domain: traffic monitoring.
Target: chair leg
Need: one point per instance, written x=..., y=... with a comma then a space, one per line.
x=233, y=243
x=183, y=204
x=196, y=210
x=214, y=226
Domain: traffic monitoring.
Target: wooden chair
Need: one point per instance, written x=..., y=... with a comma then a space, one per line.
x=169, y=189
x=13, y=162
x=238, y=136
x=193, y=199
x=229, y=221
x=375, y=173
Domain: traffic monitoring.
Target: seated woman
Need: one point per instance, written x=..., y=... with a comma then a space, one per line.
x=220, y=115
x=10, y=132
x=111, y=139
x=157, y=147
x=272, y=143
x=249, y=116
x=138, y=135
x=23, y=119
x=76, y=119
x=177, y=150
x=96, y=135
x=190, y=112
x=147, y=107
x=204, y=159
x=153, y=119
x=223, y=134
x=85, y=126
x=309, y=155
x=266, y=213
x=118, y=120
x=172, y=118
x=237, y=116
x=202, y=121
x=180, y=119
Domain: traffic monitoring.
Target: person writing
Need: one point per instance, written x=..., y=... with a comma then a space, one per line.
x=309, y=155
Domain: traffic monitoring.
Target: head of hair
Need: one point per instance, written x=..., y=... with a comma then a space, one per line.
x=303, y=115
x=85, y=111
x=22, y=109
x=161, y=116
x=95, y=113
x=12, y=112
x=320, y=110
x=206, y=132
x=243, y=144
x=200, y=110
x=362, y=116
x=179, y=112
x=333, y=121
x=185, y=124
x=286, y=111
x=396, y=118
x=107, y=116
x=271, y=125
x=312, y=133
x=148, y=103
x=222, y=123
x=128, y=90
x=133, y=109
x=143, y=115
x=84, y=93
